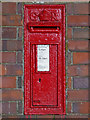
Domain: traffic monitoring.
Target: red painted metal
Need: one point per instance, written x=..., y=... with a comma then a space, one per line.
x=44, y=25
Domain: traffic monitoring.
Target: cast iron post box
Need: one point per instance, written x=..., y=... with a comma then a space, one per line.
x=44, y=59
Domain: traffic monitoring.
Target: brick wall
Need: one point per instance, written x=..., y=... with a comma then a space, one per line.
x=77, y=61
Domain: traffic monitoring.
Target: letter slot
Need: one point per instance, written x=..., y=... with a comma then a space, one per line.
x=44, y=59
x=43, y=29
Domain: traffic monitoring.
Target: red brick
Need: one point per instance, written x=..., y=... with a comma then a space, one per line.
x=78, y=8
x=74, y=95
x=19, y=57
x=0, y=20
x=0, y=82
x=69, y=8
x=13, y=108
x=8, y=32
x=85, y=107
x=69, y=84
x=8, y=57
x=11, y=95
x=14, y=70
x=8, y=82
x=78, y=70
x=5, y=108
x=81, y=107
x=11, y=20
x=2, y=69
x=8, y=8
x=78, y=20
x=69, y=33
x=78, y=45
x=0, y=45
x=81, y=58
x=11, y=45
x=81, y=33
x=69, y=107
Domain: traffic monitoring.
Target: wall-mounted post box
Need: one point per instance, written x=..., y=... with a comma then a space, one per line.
x=44, y=59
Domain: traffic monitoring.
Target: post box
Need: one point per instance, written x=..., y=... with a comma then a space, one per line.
x=44, y=59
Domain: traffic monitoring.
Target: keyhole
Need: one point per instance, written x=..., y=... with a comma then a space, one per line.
x=39, y=79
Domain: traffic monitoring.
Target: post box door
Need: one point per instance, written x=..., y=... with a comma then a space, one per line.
x=44, y=75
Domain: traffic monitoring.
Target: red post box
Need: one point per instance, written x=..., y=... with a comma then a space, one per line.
x=44, y=59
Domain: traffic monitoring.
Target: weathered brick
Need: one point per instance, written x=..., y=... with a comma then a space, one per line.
x=9, y=116
x=0, y=57
x=0, y=33
x=78, y=20
x=0, y=107
x=8, y=8
x=20, y=107
x=69, y=8
x=8, y=57
x=8, y=32
x=11, y=95
x=0, y=94
x=14, y=70
x=79, y=33
x=78, y=45
x=69, y=33
x=8, y=82
x=69, y=57
x=20, y=33
x=0, y=45
x=11, y=20
x=69, y=107
x=19, y=57
x=5, y=108
x=0, y=20
x=79, y=95
x=13, y=108
x=78, y=70
x=16, y=117
x=44, y=116
x=19, y=8
x=81, y=58
x=11, y=45
x=68, y=1
x=19, y=82
x=81, y=82
x=81, y=107
x=72, y=116
x=69, y=84
x=78, y=8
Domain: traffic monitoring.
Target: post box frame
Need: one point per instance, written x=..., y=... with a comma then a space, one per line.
x=27, y=60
